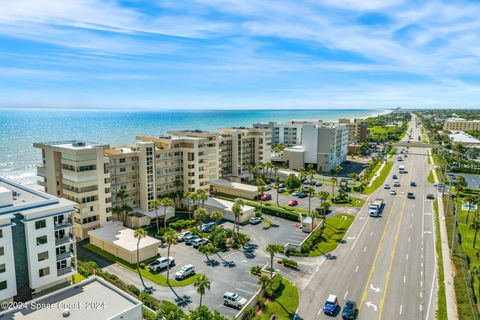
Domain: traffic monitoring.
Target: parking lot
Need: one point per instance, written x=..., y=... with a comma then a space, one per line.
x=473, y=180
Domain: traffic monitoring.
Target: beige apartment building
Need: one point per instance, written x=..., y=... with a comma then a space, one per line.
x=242, y=147
x=357, y=129
x=80, y=172
x=458, y=124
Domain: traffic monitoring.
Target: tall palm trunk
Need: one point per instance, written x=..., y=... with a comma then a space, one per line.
x=164, y=217
x=138, y=264
x=468, y=213
x=168, y=266
x=201, y=296
x=158, y=227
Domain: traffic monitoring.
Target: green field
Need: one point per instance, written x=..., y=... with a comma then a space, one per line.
x=285, y=305
x=157, y=278
x=431, y=178
x=441, y=303
x=355, y=202
x=380, y=179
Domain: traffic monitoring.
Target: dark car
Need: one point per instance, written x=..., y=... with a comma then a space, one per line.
x=350, y=310
x=410, y=195
x=330, y=306
x=395, y=176
x=413, y=184
x=302, y=195
x=430, y=196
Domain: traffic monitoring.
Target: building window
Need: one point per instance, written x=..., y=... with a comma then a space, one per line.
x=1, y=233
x=2, y=251
x=44, y=272
x=41, y=240
x=40, y=224
x=43, y=256
x=2, y=268
x=3, y=285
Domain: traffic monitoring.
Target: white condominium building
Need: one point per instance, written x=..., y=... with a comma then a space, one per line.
x=458, y=124
x=37, y=246
x=79, y=171
x=288, y=133
x=243, y=147
x=324, y=145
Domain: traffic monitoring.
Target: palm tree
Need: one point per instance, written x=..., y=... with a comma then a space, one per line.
x=200, y=215
x=237, y=210
x=337, y=169
x=139, y=234
x=476, y=273
x=471, y=200
x=272, y=249
x=334, y=183
x=202, y=196
x=311, y=174
x=178, y=183
x=302, y=171
x=252, y=169
x=126, y=209
x=122, y=195
x=310, y=194
x=277, y=187
x=207, y=249
x=155, y=205
x=202, y=283
x=263, y=281
x=475, y=225
x=117, y=210
x=275, y=171
x=192, y=200
x=216, y=216
x=170, y=237
x=261, y=190
x=165, y=202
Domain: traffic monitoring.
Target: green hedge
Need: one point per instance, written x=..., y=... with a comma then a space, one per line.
x=272, y=290
x=277, y=212
x=290, y=263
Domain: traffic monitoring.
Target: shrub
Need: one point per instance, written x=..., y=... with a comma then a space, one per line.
x=181, y=224
x=258, y=213
x=315, y=238
x=84, y=271
x=288, y=214
x=289, y=263
x=261, y=303
x=149, y=301
x=256, y=270
x=142, y=265
x=273, y=288
x=133, y=289
x=249, y=313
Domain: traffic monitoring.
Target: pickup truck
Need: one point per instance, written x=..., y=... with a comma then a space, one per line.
x=375, y=207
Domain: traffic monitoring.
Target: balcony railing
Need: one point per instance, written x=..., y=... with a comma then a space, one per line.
x=64, y=255
x=63, y=225
x=63, y=271
x=64, y=240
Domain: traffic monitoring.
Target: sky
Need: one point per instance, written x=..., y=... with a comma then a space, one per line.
x=197, y=54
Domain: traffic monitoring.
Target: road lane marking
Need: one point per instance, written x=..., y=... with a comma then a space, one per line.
x=434, y=267
x=364, y=249
x=358, y=236
x=374, y=288
x=406, y=256
x=345, y=296
x=252, y=284
x=401, y=307
x=356, y=269
x=252, y=293
x=370, y=304
x=409, y=239
x=371, y=233
x=404, y=279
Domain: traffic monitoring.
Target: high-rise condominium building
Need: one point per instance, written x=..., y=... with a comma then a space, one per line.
x=37, y=246
x=458, y=124
x=79, y=171
x=357, y=129
x=323, y=145
x=243, y=147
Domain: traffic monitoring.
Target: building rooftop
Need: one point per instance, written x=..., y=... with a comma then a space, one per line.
x=224, y=204
x=122, y=237
x=70, y=144
x=463, y=137
x=108, y=303
x=235, y=185
x=22, y=195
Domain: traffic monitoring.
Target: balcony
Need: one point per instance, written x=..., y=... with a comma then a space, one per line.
x=64, y=255
x=63, y=225
x=64, y=240
x=64, y=271
x=41, y=171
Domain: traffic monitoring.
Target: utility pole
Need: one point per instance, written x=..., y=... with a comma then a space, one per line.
x=452, y=251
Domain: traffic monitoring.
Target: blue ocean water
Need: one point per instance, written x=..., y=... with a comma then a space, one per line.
x=20, y=128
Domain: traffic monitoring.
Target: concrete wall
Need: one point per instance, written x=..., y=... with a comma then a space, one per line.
x=131, y=257
x=237, y=192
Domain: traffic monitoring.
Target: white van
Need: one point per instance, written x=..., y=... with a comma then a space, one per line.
x=234, y=300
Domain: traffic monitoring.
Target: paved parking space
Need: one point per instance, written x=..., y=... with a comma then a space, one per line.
x=473, y=180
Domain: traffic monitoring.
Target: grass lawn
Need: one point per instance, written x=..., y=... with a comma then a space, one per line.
x=430, y=178
x=157, y=278
x=78, y=278
x=465, y=287
x=380, y=179
x=441, y=303
x=285, y=305
x=355, y=202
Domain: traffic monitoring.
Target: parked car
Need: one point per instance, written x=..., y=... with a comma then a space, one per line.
x=430, y=196
x=281, y=190
x=282, y=185
x=318, y=184
x=331, y=305
x=386, y=186
x=438, y=185
x=189, y=239
x=393, y=192
x=266, y=197
x=206, y=227
x=181, y=237
x=161, y=263
x=395, y=177
x=255, y=220
x=234, y=300
x=268, y=187
x=405, y=156
x=199, y=242
x=185, y=271
x=302, y=195
x=413, y=184
x=307, y=182
x=396, y=184
x=410, y=195
x=292, y=203
x=350, y=310
x=295, y=193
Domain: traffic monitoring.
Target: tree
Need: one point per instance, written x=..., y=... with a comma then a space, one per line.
x=178, y=183
x=470, y=200
x=292, y=182
x=139, y=234
x=216, y=216
x=165, y=202
x=170, y=237
x=118, y=211
x=237, y=210
x=192, y=200
x=202, y=196
x=476, y=273
x=302, y=173
x=202, y=283
x=252, y=169
x=275, y=171
x=263, y=282
x=207, y=249
x=337, y=169
x=126, y=209
x=276, y=186
x=261, y=191
x=310, y=194
x=311, y=173
x=155, y=205
x=272, y=249
x=334, y=183
x=200, y=215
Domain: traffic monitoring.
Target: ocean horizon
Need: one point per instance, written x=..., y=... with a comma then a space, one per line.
x=21, y=127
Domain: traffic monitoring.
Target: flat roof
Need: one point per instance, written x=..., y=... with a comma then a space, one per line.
x=225, y=205
x=109, y=301
x=461, y=136
x=235, y=185
x=152, y=214
x=72, y=144
x=122, y=237
x=23, y=195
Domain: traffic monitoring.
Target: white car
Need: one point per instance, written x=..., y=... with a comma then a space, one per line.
x=161, y=263
x=396, y=184
x=386, y=186
x=185, y=271
x=393, y=192
x=234, y=300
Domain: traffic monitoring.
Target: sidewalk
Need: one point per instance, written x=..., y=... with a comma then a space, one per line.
x=451, y=300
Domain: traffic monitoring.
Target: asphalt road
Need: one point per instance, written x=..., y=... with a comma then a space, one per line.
x=387, y=264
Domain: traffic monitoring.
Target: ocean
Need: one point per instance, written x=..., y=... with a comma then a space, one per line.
x=20, y=128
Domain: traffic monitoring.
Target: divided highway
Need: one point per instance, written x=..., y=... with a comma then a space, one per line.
x=387, y=264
